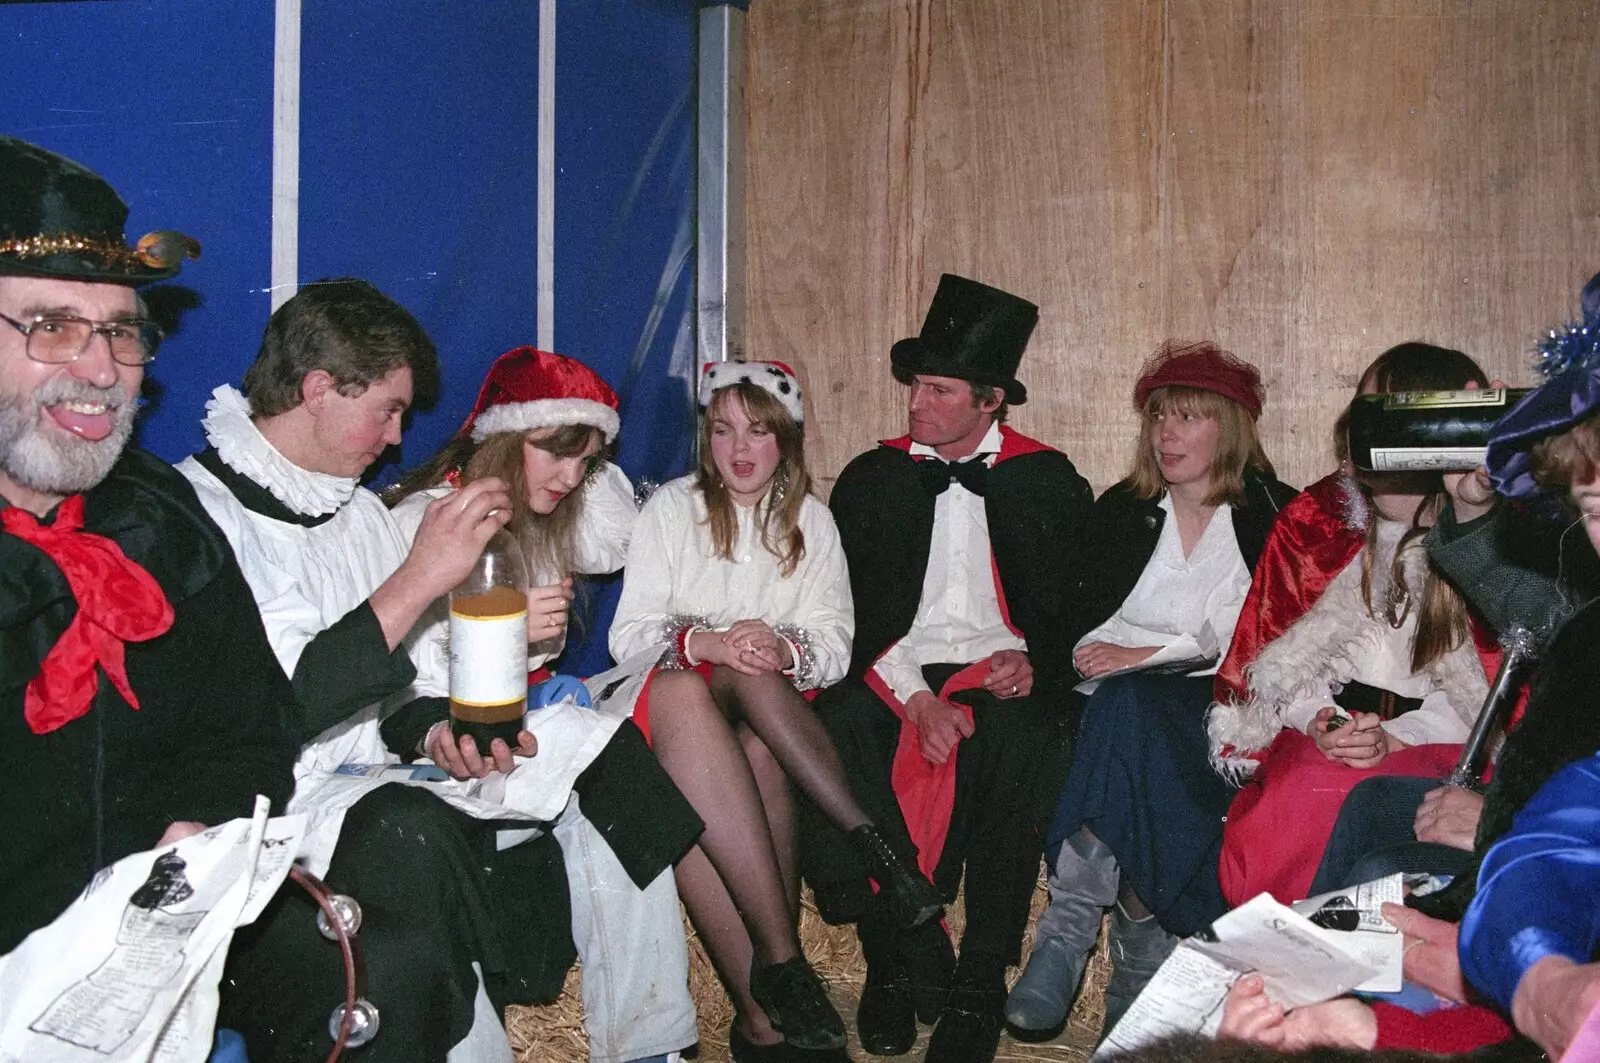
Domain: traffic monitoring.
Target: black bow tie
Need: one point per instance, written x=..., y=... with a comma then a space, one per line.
x=937, y=476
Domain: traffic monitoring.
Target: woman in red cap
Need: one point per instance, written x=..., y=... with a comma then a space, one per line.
x=1174, y=544
x=735, y=600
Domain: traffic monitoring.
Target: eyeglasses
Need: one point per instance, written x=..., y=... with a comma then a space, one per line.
x=56, y=339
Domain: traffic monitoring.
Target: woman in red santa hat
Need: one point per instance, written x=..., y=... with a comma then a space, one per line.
x=735, y=600
x=542, y=423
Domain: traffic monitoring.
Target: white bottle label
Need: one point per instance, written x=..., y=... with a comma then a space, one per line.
x=488, y=658
x=1426, y=459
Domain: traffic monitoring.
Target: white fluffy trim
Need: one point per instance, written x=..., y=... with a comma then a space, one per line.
x=546, y=413
x=243, y=448
x=768, y=376
x=1326, y=645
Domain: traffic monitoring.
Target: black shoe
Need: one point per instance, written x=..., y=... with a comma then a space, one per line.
x=744, y=1051
x=797, y=1004
x=969, y=1027
x=930, y=961
x=907, y=897
x=886, y=1020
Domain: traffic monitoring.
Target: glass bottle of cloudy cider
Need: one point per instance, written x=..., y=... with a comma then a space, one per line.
x=1426, y=431
x=489, y=646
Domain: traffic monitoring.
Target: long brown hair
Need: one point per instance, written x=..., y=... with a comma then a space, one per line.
x=549, y=541
x=1441, y=614
x=1238, y=445
x=780, y=523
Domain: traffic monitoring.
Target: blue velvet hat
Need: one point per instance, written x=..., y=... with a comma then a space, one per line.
x=1569, y=359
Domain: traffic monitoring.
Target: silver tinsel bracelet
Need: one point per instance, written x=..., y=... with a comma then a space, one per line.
x=805, y=655
x=675, y=628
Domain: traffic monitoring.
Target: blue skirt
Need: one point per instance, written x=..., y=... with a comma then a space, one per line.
x=1141, y=781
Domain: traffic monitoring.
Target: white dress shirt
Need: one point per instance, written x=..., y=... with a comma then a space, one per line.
x=1187, y=606
x=958, y=619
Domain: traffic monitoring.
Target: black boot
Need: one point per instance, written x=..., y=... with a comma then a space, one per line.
x=969, y=1027
x=908, y=898
x=930, y=961
x=886, y=1019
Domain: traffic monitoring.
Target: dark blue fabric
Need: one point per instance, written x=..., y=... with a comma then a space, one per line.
x=625, y=252
x=1539, y=888
x=418, y=171
x=170, y=101
x=1141, y=780
x=1555, y=406
x=1374, y=836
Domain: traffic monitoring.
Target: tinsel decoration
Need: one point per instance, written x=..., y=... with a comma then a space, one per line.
x=1574, y=346
x=643, y=488
x=1354, y=511
x=675, y=630
x=804, y=672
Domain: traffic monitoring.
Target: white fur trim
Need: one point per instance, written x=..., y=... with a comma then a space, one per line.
x=764, y=375
x=546, y=413
x=1325, y=645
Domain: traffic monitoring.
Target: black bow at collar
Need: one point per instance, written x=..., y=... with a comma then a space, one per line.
x=937, y=476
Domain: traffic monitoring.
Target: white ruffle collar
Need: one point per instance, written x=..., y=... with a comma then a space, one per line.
x=243, y=448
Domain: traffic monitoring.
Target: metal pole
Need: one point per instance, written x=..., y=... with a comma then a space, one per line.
x=719, y=271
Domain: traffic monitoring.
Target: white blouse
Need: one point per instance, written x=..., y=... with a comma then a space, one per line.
x=1386, y=664
x=604, y=528
x=674, y=575
x=1187, y=606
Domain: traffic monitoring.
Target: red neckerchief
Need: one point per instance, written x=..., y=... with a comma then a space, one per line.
x=117, y=602
x=927, y=792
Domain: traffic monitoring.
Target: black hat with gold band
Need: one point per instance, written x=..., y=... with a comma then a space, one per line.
x=60, y=219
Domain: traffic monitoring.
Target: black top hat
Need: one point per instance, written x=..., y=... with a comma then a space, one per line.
x=971, y=332
x=60, y=219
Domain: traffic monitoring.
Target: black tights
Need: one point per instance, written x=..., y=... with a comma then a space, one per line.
x=733, y=746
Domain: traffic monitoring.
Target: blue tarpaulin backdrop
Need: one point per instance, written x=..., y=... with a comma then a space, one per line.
x=418, y=171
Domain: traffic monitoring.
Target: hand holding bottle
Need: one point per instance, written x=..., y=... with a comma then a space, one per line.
x=454, y=531
x=462, y=758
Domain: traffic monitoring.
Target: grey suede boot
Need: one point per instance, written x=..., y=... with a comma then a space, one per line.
x=1083, y=883
x=1138, y=949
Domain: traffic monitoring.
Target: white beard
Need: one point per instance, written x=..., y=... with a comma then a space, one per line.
x=57, y=463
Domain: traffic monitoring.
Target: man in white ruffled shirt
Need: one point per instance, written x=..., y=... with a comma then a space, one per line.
x=340, y=587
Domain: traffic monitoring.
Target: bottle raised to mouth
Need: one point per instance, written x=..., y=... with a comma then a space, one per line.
x=1426, y=431
x=489, y=646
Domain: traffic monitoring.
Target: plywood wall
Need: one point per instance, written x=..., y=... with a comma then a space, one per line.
x=1305, y=181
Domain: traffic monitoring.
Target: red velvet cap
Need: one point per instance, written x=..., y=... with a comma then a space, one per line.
x=1203, y=366
x=528, y=388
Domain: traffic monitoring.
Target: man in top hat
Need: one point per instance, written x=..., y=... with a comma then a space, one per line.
x=955, y=719
x=341, y=587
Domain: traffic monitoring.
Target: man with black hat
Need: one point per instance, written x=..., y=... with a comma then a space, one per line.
x=956, y=717
x=128, y=729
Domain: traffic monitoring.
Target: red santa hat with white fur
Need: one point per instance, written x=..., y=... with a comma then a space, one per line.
x=527, y=389
x=775, y=378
